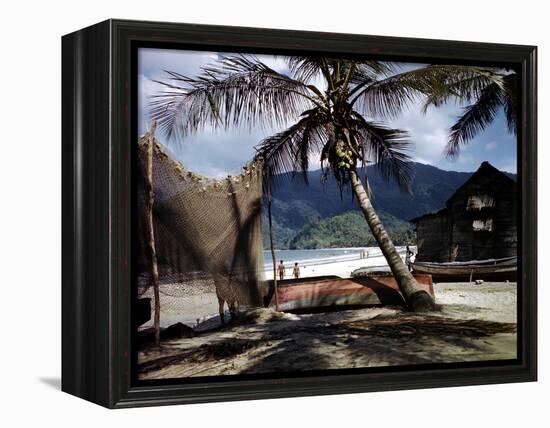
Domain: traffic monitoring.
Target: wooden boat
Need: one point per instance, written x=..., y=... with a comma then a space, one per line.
x=322, y=293
x=491, y=269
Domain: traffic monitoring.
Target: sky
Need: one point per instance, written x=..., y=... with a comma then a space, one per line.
x=218, y=153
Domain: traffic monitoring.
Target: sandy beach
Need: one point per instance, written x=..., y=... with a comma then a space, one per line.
x=373, y=259
x=474, y=323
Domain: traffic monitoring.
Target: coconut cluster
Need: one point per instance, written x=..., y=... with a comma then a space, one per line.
x=344, y=156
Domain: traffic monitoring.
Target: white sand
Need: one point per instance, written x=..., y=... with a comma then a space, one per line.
x=475, y=323
x=343, y=269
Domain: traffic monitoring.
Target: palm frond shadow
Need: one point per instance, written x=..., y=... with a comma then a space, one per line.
x=293, y=346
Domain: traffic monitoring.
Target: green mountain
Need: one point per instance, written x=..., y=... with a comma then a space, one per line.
x=297, y=205
x=349, y=230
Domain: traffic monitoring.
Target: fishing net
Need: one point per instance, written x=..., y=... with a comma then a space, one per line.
x=208, y=237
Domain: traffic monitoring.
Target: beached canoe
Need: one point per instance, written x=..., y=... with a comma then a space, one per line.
x=493, y=269
x=315, y=294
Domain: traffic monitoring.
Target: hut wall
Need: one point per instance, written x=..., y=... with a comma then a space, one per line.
x=433, y=238
x=472, y=232
x=479, y=221
x=506, y=224
x=483, y=218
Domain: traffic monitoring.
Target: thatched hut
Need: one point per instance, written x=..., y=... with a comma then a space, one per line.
x=478, y=222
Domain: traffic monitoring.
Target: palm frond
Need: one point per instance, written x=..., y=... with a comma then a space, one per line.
x=474, y=119
x=306, y=68
x=380, y=68
x=511, y=102
x=232, y=91
x=386, y=98
x=463, y=83
x=367, y=72
x=387, y=148
x=290, y=150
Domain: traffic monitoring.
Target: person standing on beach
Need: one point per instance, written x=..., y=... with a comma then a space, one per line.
x=296, y=270
x=408, y=256
x=281, y=270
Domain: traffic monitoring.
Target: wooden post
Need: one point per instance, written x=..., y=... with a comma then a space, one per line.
x=149, y=147
x=268, y=188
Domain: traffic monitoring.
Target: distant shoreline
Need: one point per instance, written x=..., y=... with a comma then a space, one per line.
x=341, y=265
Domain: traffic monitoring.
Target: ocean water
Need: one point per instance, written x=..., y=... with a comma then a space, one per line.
x=318, y=256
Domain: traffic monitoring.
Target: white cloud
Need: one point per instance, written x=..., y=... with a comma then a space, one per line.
x=429, y=132
x=491, y=145
x=214, y=153
x=422, y=160
x=219, y=153
x=465, y=158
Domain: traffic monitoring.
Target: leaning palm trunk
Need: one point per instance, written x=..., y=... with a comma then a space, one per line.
x=417, y=299
x=332, y=121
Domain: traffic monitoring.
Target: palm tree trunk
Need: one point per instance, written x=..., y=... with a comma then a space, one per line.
x=272, y=246
x=417, y=299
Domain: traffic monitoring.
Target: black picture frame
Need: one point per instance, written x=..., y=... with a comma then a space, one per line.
x=98, y=135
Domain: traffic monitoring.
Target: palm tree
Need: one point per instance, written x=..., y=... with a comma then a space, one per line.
x=331, y=121
x=487, y=90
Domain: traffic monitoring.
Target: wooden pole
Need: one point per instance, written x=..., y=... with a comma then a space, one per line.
x=268, y=188
x=149, y=221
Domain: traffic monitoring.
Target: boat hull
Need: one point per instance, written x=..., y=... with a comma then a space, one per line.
x=495, y=270
x=325, y=293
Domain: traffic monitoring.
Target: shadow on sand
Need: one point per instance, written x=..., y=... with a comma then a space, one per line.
x=327, y=341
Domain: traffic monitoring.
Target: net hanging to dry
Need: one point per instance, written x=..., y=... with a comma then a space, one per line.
x=208, y=232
